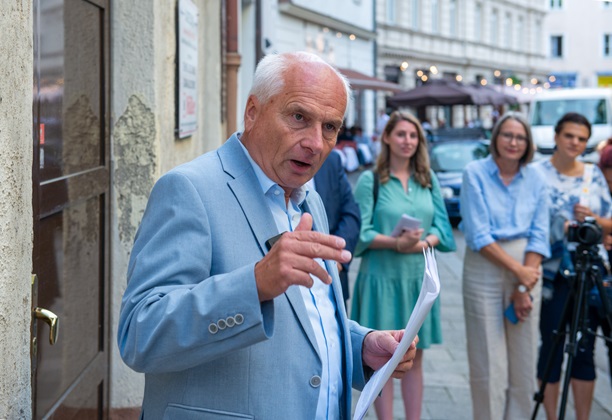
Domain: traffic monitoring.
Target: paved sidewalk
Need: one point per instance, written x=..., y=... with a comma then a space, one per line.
x=447, y=391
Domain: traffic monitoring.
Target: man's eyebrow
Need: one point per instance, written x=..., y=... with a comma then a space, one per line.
x=337, y=123
x=298, y=109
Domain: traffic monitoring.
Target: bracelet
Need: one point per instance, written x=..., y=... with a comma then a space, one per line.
x=429, y=245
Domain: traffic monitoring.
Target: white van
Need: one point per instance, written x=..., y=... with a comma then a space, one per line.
x=549, y=106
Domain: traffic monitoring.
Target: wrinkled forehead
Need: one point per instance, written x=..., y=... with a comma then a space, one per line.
x=303, y=76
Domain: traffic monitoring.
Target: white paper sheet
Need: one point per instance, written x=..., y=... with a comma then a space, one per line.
x=430, y=290
x=405, y=223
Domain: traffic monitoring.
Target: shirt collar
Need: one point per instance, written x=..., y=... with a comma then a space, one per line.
x=267, y=185
x=493, y=169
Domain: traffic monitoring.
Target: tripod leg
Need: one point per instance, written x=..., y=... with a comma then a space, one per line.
x=574, y=338
x=558, y=337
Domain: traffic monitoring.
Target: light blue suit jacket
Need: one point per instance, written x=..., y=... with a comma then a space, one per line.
x=191, y=319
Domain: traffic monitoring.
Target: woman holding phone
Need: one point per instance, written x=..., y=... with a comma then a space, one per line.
x=504, y=210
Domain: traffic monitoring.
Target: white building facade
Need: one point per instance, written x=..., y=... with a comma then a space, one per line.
x=578, y=42
x=495, y=42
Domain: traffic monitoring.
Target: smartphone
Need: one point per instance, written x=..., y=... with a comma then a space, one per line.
x=511, y=314
x=273, y=240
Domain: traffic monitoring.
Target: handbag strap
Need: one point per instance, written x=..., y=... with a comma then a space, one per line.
x=375, y=187
x=587, y=179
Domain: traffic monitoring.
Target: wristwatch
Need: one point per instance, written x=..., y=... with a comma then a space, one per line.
x=522, y=288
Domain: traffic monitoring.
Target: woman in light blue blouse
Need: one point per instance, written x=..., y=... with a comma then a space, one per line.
x=577, y=190
x=504, y=213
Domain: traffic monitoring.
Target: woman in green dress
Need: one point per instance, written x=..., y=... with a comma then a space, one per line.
x=391, y=271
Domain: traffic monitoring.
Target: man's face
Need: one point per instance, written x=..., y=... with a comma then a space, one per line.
x=291, y=135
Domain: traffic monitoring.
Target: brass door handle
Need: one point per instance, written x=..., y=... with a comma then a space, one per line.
x=51, y=319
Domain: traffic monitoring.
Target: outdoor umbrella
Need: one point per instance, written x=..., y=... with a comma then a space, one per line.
x=492, y=95
x=439, y=92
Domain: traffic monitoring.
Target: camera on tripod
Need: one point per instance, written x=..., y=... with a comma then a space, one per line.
x=587, y=233
x=583, y=267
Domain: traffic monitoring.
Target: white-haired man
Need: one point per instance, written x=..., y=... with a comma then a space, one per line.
x=225, y=323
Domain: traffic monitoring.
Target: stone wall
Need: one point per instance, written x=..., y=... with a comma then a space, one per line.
x=15, y=207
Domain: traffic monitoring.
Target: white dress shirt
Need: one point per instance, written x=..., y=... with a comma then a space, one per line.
x=319, y=300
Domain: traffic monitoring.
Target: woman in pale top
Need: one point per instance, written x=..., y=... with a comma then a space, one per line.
x=577, y=190
x=505, y=220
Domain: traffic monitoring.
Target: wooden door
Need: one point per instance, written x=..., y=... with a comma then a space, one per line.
x=71, y=208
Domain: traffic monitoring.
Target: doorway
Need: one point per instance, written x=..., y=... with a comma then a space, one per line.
x=71, y=186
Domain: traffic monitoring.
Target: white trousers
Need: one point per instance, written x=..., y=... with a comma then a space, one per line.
x=502, y=356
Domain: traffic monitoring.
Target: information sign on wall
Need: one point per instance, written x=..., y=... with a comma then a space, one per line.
x=187, y=68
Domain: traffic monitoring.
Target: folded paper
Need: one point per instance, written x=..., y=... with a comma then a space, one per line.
x=430, y=290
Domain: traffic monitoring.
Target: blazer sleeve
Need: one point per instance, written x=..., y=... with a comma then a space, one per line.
x=167, y=314
x=361, y=373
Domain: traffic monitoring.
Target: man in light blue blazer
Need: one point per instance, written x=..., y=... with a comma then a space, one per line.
x=223, y=322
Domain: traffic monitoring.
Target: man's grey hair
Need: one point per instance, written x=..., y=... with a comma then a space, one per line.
x=268, y=79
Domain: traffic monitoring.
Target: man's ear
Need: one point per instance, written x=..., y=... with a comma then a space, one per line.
x=251, y=111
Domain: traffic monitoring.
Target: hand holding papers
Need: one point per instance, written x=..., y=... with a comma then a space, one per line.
x=430, y=290
x=405, y=223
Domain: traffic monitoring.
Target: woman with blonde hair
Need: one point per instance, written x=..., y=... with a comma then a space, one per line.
x=391, y=271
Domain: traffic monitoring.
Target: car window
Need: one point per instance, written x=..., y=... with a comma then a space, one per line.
x=453, y=157
x=549, y=112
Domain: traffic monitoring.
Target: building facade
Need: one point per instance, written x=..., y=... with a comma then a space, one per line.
x=578, y=42
x=485, y=41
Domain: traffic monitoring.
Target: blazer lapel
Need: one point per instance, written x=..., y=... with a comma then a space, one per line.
x=247, y=190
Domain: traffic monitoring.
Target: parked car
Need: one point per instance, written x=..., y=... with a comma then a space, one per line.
x=448, y=159
x=443, y=134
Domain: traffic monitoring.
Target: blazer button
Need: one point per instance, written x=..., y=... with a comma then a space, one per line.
x=315, y=381
x=212, y=328
x=239, y=318
x=230, y=321
x=221, y=324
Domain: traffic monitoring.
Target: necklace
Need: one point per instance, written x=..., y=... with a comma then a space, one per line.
x=507, y=179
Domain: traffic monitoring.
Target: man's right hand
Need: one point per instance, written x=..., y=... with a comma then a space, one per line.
x=291, y=260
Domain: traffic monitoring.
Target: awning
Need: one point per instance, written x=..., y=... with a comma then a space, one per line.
x=360, y=81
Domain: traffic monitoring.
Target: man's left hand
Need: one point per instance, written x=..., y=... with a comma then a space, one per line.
x=379, y=346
